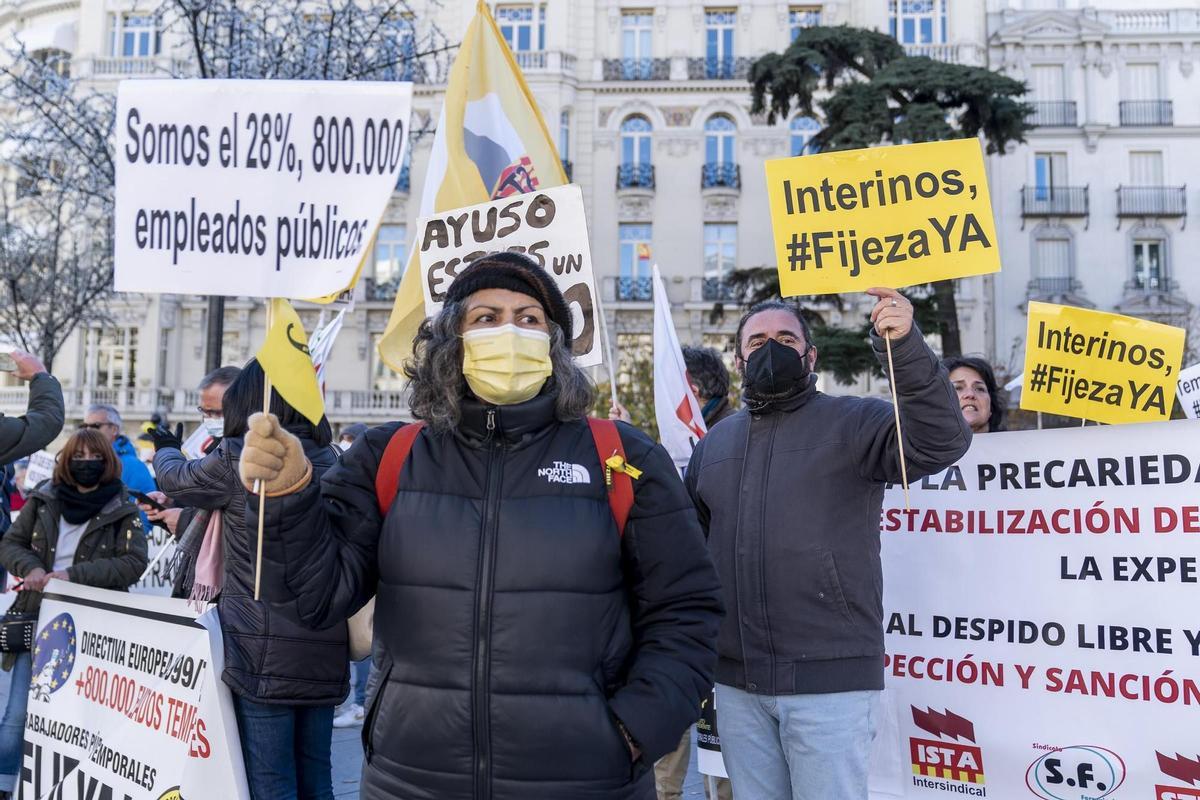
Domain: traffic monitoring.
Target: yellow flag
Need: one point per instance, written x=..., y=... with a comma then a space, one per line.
x=491, y=142
x=284, y=357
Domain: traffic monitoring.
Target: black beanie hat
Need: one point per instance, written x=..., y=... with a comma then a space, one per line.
x=519, y=273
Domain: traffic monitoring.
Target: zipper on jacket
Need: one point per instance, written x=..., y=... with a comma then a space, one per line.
x=483, y=613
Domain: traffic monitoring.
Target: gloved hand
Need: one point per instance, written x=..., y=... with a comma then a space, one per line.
x=164, y=439
x=272, y=455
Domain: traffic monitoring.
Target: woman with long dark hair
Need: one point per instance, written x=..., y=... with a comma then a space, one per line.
x=80, y=527
x=286, y=679
x=979, y=395
x=541, y=638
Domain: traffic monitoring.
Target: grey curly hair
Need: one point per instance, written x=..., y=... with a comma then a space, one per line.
x=436, y=385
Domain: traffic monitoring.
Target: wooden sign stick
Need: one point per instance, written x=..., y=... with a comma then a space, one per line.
x=259, y=487
x=896, y=409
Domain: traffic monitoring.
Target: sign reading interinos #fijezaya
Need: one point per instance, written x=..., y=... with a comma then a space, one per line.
x=882, y=216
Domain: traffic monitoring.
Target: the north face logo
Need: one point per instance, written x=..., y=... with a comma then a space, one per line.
x=565, y=472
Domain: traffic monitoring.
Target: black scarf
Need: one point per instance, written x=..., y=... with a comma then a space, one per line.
x=78, y=507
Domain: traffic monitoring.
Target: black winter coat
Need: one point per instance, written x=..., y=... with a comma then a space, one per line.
x=22, y=436
x=790, y=499
x=269, y=658
x=517, y=626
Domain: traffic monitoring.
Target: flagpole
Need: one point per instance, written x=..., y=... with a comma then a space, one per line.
x=608, y=351
x=259, y=486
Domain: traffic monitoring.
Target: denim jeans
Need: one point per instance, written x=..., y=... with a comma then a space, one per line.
x=359, y=671
x=286, y=749
x=798, y=746
x=12, y=728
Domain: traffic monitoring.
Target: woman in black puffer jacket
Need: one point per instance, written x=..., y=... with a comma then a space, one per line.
x=286, y=679
x=532, y=647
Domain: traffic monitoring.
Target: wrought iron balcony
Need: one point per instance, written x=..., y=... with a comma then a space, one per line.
x=404, y=180
x=1054, y=114
x=568, y=168
x=1147, y=112
x=1052, y=285
x=716, y=290
x=635, y=289
x=635, y=176
x=637, y=69
x=1151, y=201
x=724, y=175
x=722, y=68
x=1054, y=201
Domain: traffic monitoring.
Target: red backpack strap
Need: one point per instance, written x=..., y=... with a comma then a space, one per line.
x=387, y=477
x=620, y=492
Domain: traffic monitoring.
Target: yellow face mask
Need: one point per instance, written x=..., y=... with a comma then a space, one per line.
x=506, y=364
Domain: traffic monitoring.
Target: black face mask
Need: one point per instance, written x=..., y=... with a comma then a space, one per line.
x=86, y=473
x=775, y=371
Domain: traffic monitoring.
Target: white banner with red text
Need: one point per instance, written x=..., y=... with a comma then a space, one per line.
x=127, y=702
x=1040, y=608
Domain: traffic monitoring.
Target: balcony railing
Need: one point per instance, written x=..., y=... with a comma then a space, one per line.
x=1151, y=201
x=635, y=288
x=723, y=68
x=725, y=175
x=1053, y=114
x=545, y=61
x=1055, y=285
x=129, y=66
x=637, y=69
x=938, y=52
x=1054, y=201
x=568, y=169
x=716, y=290
x=1147, y=112
x=404, y=179
x=1182, y=20
x=635, y=176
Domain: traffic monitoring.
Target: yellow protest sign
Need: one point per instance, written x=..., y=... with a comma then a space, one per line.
x=883, y=216
x=1098, y=366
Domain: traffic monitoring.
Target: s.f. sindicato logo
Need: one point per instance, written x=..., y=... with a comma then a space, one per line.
x=1078, y=772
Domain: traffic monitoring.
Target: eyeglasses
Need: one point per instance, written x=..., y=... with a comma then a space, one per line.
x=209, y=413
x=94, y=426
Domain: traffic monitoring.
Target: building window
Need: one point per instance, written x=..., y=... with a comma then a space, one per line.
x=803, y=129
x=1146, y=168
x=635, y=140
x=383, y=379
x=720, y=250
x=801, y=17
x=113, y=358
x=917, y=21
x=391, y=251
x=518, y=27
x=133, y=36
x=1148, y=271
x=720, y=132
x=637, y=28
x=564, y=135
x=718, y=35
x=53, y=60
x=1053, y=271
x=1049, y=171
x=633, y=282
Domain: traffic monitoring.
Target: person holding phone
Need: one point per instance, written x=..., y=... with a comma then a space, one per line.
x=43, y=419
x=80, y=527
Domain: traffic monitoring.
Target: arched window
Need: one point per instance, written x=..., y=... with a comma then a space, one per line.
x=635, y=140
x=803, y=130
x=719, y=134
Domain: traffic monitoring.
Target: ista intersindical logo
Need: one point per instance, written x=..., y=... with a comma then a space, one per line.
x=950, y=763
x=1179, y=769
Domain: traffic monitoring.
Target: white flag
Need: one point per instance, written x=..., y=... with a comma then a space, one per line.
x=320, y=347
x=680, y=422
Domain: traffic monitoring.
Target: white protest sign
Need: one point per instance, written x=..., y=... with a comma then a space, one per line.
x=160, y=545
x=41, y=468
x=549, y=226
x=193, y=446
x=255, y=188
x=127, y=702
x=1040, y=617
x=1188, y=393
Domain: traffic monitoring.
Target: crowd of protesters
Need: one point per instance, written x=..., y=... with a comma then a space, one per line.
x=552, y=600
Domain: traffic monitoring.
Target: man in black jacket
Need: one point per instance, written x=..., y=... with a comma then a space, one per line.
x=21, y=436
x=789, y=491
